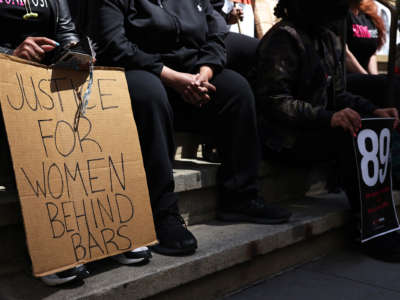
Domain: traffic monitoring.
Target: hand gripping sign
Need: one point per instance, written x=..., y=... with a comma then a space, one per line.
x=372, y=148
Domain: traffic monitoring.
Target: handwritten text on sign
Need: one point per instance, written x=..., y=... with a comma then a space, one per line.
x=83, y=190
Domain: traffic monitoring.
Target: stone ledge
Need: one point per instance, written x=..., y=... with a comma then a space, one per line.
x=221, y=246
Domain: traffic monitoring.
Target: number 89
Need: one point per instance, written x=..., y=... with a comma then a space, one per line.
x=382, y=146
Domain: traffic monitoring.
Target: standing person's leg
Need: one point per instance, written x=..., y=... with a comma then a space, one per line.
x=230, y=117
x=154, y=120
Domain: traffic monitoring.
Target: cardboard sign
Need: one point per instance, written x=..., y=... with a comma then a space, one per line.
x=81, y=181
x=372, y=148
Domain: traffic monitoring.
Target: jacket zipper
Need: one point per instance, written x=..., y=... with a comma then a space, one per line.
x=162, y=4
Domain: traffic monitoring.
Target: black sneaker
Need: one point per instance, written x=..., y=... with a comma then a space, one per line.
x=386, y=247
x=74, y=274
x=254, y=211
x=173, y=236
x=136, y=256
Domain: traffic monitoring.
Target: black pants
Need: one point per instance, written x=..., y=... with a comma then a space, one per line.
x=323, y=145
x=229, y=117
x=241, y=52
x=376, y=88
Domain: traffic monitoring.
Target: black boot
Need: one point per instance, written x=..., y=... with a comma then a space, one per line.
x=253, y=211
x=173, y=236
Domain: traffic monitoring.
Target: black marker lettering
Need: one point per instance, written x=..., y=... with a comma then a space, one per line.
x=111, y=166
x=128, y=215
x=54, y=221
x=104, y=95
x=44, y=136
x=68, y=174
x=77, y=244
x=40, y=188
x=51, y=180
x=50, y=98
x=93, y=178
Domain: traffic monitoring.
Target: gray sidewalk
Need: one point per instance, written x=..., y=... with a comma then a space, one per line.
x=346, y=275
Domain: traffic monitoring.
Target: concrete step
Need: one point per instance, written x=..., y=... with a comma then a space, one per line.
x=229, y=256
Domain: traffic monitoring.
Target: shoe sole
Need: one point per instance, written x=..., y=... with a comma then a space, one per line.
x=53, y=281
x=234, y=217
x=129, y=261
x=142, y=257
x=172, y=252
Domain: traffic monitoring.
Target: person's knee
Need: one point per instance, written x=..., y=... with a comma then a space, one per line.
x=147, y=92
x=238, y=90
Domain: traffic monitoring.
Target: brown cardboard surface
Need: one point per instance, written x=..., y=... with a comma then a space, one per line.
x=83, y=193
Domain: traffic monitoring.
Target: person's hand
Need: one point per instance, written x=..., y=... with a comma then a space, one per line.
x=347, y=119
x=388, y=113
x=235, y=15
x=202, y=84
x=34, y=48
x=183, y=83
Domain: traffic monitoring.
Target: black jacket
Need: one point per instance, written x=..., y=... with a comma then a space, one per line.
x=148, y=34
x=62, y=29
x=218, y=5
x=299, y=83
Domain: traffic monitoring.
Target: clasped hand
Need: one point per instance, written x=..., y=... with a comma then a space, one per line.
x=194, y=88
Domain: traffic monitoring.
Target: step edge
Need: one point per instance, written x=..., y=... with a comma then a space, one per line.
x=240, y=248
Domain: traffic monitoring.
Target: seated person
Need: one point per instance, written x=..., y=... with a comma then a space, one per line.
x=366, y=34
x=37, y=30
x=174, y=56
x=304, y=112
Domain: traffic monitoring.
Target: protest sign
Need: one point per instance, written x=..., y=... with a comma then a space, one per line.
x=81, y=181
x=372, y=148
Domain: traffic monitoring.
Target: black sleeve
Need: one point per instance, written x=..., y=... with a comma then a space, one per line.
x=359, y=104
x=6, y=50
x=279, y=59
x=213, y=52
x=114, y=48
x=65, y=28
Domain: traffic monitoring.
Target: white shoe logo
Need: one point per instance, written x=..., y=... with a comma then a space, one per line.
x=199, y=7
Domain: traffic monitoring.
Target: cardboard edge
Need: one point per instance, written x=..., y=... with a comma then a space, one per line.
x=42, y=274
x=28, y=62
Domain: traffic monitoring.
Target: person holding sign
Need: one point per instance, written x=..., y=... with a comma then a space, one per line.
x=174, y=56
x=39, y=28
x=305, y=114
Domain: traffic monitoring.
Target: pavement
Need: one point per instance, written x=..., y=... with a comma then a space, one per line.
x=345, y=275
